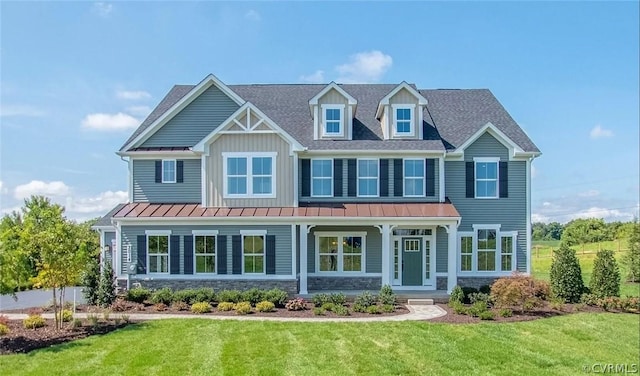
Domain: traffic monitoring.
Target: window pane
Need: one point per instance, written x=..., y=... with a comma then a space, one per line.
x=352, y=244
x=205, y=264
x=466, y=244
x=506, y=263
x=237, y=166
x=163, y=244
x=211, y=244
x=153, y=244
x=237, y=186
x=333, y=114
x=328, y=263
x=328, y=244
x=507, y=244
x=261, y=165
x=414, y=187
x=486, y=261
x=465, y=263
x=168, y=170
x=321, y=168
x=200, y=246
x=367, y=168
x=262, y=185
x=253, y=244
x=352, y=263
x=164, y=264
x=486, y=239
x=486, y=170
x=414, y=168
x=368, y=187
x=322, y=187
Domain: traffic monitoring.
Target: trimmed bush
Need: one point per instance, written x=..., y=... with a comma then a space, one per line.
x=386, y=296
x=138, y=295
x=357, y=307
x=201, y=307
x=232, y=296
x=242, y=308
x=566, y=275
x=478, y=297
x=486, y=315
x=338, y=298
x=160, y=307
x=204, y=294
x=91, y=281
x=477, y=309
x=164, y=296
x=180, y=306
x=319, y=311
x=341, y=311
x=277, y=297
x=373, y=310
x=107, y=286
x=505, y=312
x=265, y=306
x=65, y=315
x=468, y=291
x=457, y=295
x=320, y=299
x=4, y=330
x=388, y=308
x=329, y=306
x=225, y=306
x=253, y=296
x=33, y=322
x=297, y=304
x=366, y=299
x=518, y=290
x=187, y=296
x=605, y=279
x=459, y=308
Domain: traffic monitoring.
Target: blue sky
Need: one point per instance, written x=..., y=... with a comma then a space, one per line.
x=77, y=77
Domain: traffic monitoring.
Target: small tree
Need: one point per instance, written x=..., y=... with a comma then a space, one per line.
x=632, y=259
x=91, y=281
x=106, y=289
x=605, y=280
x=566, y=275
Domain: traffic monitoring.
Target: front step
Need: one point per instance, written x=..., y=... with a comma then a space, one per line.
x=420, y=301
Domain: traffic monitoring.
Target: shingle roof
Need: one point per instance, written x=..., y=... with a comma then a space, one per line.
x=451, y=116
x=106, y=220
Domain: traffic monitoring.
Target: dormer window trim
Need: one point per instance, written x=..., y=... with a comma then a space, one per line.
x=412, y=120
x=341, y=132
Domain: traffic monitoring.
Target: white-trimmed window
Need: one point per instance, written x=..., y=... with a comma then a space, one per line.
x=487, y=250
x=486, y=173
x=414, y=173
x=158, y=253
x=204, y=248
x=486, y=241
x=253, y=252
x=168, y=170
x=249, y=176
x=403, y=120
x=333, y=116
x=507, y=248
x=466, y=253
x=322, y=177
x=368, y=173
x=340, y=252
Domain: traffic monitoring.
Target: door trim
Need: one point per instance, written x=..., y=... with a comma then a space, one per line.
x=429, y=284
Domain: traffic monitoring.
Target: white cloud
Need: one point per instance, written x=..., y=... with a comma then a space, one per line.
x=133, y=95
x=3, y=189
x=316, y=77
x=110, y=122
x=141, y=111
x=589, y=204
x=534, y=172
x=606, y=214
x=38, y=187
x=253, y=15
x=102, y=9
x=7, y=110
x=589, y=193
x=599, y=132
x=364, y=67
x=95, y=205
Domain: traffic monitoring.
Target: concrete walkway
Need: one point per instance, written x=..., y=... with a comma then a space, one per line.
x=416, y=313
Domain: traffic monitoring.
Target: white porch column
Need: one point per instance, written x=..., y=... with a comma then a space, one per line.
x=452, y=270
x=303, y=258
x=386, y=255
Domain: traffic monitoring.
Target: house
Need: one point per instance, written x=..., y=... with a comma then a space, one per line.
x=323, y=187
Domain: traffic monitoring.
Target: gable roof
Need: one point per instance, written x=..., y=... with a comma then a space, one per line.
x=403, y=85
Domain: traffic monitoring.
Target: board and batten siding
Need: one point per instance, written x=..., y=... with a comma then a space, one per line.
x=282, y=233
x=195, y=121
x=510, y=213
x=250, y=143
x=373, y=251
x=333, y=97
x=145, y=188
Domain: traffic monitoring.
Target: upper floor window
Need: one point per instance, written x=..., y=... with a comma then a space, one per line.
x=322, y=177
x=486, y=173
x=333, y=116
x=368, y=177
x=168, y=170
x=403, y=121
x=247, y=176
x=414, y=172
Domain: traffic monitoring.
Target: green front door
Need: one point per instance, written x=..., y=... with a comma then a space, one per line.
x=412, y=261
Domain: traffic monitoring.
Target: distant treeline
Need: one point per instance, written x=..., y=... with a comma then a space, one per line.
x=581, y=231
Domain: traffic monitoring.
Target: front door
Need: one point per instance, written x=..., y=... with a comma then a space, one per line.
x=412, y=261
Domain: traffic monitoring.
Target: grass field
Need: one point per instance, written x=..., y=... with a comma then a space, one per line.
x=555, y=346
x=541, y=254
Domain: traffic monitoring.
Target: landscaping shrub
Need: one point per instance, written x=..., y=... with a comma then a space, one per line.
x=388, y=308
x=373, y=310
x=107, y=286
x=457, y=295
x=459, y=308
x=505, y=312
x=557, y=304
x=357, y=307
x=75, y=324
x=630, y=304
x=589, y=299
x=478, y=297
x=297, y=304
x=468, y=291
x=253, y=296
x=338, y=298
x=33, y=322
x=265, y=306
x=180, y=306
x=164, y=296
x=242, y=308
x=517, y=290
x=276, y=296
x=366, y=299
x=329, y=306
x=341, y=311
x=320, y=299
x=605, y=279
x=566, y=275
x=201, y=307
x=138, y=295
x=387, y=296
x=187, y=296
x=232, y=296
x=225, y=306
x=477, y=308
x=486, y=315
x=204, y=294
x=65, y=315
x=159, y=307
x=121, y=305
x=318, y=311
x=91, y=281
x=631, y=259
x=4, y=330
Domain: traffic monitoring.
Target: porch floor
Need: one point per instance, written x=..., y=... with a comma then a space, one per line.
x=438, y=296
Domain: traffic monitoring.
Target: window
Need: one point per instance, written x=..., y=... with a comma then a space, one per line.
x=340, y=252
x=253, y=254
x=322, y=177
x=506, y=253
x=486, y=178
x=168, y=171
x=205, y=253
x=333, y=120
x=486, y=250
x=414, y=177
x=158, y=253
x=466, y=253
x=403, y=121
x=368, y=177
x=248, y=176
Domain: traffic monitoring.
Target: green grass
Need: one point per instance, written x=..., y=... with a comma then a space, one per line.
x=541, y=254
x=555, y=346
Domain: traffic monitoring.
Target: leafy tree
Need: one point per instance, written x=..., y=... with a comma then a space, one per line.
x=554, y=231
x=107, y=287
x=632, y=259
x=566, y=275
x=605, y=280
x=582, y=231
x=15, y=266
x=91, y=281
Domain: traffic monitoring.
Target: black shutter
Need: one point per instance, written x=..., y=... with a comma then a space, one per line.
x=180, y=172
x=158, y=171
x=430, y=186
x=352, y=176
x=271, y=254
x=306, y=177
x=504, y=180
x=174, y=254
x=384, y=177
x=236, y=254
x=188, y=254
x=397, y=177
x=221, y=250
x=337, y=178
x=471, y=179
x=141, y=267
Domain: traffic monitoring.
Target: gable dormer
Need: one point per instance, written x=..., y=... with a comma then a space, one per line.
x=332, y=110
x=401, y=113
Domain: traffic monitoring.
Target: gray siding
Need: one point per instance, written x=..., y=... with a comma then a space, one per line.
x=145, y=188
x=282, y=233
x=195, y=121
x=373, y=246
x=442, y=250
x=108, y=237
x=510, y=213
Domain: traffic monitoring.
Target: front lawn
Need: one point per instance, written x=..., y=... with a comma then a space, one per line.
x=560, y=345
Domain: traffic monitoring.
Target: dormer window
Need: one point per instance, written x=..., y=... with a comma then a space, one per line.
x=333, y=116
x=403, y=120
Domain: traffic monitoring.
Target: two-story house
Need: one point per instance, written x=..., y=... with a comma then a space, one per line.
x=323, y=187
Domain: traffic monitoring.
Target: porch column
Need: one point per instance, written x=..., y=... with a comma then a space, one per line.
x=386, y=255
x=303, y=258
x=452, y=270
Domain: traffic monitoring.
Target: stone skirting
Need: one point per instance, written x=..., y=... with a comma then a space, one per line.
x=441, y=283
x=290, y=286
x=476, y=282
x=343, y=283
